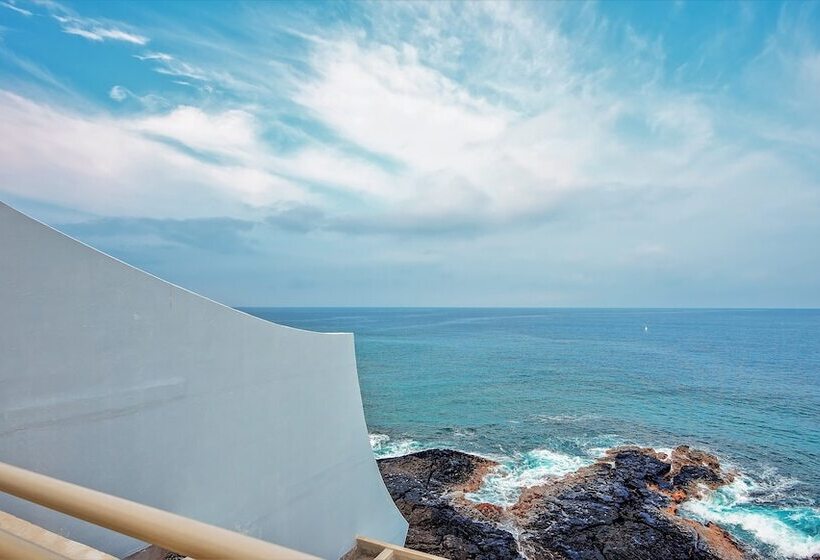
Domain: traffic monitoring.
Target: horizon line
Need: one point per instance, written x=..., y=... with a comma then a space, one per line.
x=554, y=307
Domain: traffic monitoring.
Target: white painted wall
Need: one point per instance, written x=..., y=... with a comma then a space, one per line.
x=116, y=380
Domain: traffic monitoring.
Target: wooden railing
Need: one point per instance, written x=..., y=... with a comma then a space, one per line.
x=169, y=531
x=161, y=528
x=166, y=530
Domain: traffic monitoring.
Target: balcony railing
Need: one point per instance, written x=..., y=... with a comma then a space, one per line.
x=169, y=531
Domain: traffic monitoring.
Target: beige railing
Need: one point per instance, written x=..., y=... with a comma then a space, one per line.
x=161, y=528
x=164, y=529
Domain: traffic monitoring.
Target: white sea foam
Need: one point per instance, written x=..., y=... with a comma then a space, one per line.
x=597, y=446
x=384, y=446
x=597, y=452
x=565, y=418
x=503, y=485
x=746, y=506
x=789, y=532
x=377, y=440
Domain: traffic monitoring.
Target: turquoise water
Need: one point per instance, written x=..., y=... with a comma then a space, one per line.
x=547, y=391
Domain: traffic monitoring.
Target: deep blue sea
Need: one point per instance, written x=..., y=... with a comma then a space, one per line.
x=545, y=391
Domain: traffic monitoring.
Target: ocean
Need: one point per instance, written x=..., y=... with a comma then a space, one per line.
x=546, y=391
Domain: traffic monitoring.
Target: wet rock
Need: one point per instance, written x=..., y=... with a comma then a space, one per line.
x=691, y=468
x=492, y=512
x=624, y=507
x=427, y=488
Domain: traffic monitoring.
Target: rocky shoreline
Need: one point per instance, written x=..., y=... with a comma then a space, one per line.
x=623, y=507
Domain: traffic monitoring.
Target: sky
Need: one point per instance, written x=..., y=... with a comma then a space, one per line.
x=426, y=154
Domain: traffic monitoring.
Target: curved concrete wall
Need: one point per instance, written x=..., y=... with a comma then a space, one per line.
x=116, y=380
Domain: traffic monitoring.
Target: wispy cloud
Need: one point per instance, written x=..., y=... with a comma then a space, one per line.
x=119, y=93
x=97, y=31
x=171, y=66
x=34, y=72
x=149, y=101
x=541, y=125
x=559, y=128
x=15, y=8
x=222, y=235
x=111, y=167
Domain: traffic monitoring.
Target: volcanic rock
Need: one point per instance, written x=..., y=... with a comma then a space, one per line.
x=623, y=507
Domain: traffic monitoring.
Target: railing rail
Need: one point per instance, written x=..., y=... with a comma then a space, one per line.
x=161, y=528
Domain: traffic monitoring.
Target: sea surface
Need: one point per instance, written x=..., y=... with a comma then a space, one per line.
x=546, y=391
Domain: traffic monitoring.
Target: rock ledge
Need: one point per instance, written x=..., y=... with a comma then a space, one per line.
x=623, y=507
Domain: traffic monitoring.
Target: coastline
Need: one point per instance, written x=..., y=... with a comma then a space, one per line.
x=545, y=392
x=678, y=495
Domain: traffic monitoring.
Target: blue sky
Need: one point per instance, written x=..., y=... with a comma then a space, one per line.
x=426, y=154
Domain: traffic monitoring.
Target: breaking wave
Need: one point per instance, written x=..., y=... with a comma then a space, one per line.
x=746, y=508
x=384, y=446
x=504, y=484
x=753, y=510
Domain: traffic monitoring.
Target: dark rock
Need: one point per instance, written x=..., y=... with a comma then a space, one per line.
x=624, y=507
x=426, y=487
x=621, y=508
x=440, y=469
x=691, y=467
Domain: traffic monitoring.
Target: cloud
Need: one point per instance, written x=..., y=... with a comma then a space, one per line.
x=396, y=137
x=297, y=218
x=119, y=93
x=206, y=80
x=416, y=140
x=97, y=31
x=150, y=101
x=35, y=72
x=542, y=148
x=383, y=99
x=221, y=235
x=15, y=8
x=467, y=157
x=111, y=167
x=536, y=126
x=230, y=132
x=172, y=66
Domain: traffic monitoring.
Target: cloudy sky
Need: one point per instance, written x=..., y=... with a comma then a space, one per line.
x=523, y=154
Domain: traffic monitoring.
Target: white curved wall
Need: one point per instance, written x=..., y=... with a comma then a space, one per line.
x=116, y=380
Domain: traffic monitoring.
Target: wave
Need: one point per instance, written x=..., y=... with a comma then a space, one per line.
x=565, y=418
x=754, y=510
x=595, y=447
x=384, y=446
x=746, y=507
x=504, y=484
